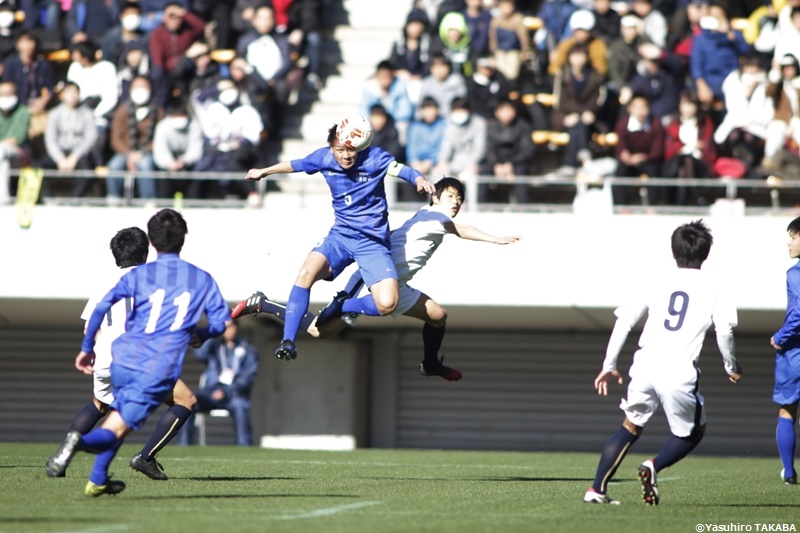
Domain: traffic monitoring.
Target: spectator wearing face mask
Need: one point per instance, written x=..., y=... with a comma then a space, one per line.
x=177, y=147
x=125, y=34
x=231, y=132
x=464, y=144
x=132, y=132
x=14, y=121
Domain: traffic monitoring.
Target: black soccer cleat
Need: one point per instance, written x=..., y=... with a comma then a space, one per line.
x=333, y=310
x=647, y=475
x=151, y=468
x=56, y=466
x=251, y=306
x=439, y=369
x=790, y=480
x=286, y=350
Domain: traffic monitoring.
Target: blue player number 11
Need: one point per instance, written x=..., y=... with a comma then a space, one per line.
x=156, y=302
x=678, y=305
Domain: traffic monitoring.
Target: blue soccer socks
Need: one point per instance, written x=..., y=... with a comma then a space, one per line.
x=364, y=306
x=296, y=308
x=785, y=438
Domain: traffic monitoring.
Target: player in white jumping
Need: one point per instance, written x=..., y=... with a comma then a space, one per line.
x=680, y=307
x=412, y=245
x=130, y=247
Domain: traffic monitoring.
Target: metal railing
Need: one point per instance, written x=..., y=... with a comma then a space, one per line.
x=759, y=195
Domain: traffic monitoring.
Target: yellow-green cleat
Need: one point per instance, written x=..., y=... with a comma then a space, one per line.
x=111, y=487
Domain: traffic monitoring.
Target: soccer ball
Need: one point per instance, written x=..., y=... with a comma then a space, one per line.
x=354, y=133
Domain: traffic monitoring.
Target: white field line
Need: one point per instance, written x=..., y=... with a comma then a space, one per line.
x=325, y=511
x=102, y=529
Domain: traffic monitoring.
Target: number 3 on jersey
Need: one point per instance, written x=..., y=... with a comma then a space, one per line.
x=678, y=305
x=156, y=302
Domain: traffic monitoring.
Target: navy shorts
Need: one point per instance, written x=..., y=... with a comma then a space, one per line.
x=787, y=377
x=136, y=394
x=342, y=246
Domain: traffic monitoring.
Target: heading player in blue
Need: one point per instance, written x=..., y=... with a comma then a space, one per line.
x=787, y=362
x=169, y=298
x=360, y=232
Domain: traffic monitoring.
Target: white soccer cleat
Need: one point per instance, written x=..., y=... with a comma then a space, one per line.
x=595, y=497
x=647, y=475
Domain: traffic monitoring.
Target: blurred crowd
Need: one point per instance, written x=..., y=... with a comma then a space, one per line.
x=641, y=88
x=124, y=86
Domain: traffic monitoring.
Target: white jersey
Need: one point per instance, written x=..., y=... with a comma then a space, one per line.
x=681, y=307
x=113, y=326
x=414, y=242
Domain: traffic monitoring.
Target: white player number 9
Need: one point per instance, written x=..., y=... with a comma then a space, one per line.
x=678, y=305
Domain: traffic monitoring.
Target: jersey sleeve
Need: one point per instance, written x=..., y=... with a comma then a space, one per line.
x=627, y=317
x=217, y=313
x=118, y=292
x=725, y=318
x=310, y=164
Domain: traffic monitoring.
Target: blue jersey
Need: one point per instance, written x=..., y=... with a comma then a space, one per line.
x=169, y=298
x=788, y=337
x=359, y=197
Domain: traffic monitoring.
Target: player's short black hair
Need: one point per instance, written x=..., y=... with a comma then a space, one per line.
x=794, y=226
x=691, y=244
x=447, y=183
x=332, y=134
x=167, y=231
x=129, y=247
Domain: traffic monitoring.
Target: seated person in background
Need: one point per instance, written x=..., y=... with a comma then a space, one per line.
x=411, y=54
x=14, y=122
x=168, y=43
x=33, y=76
x=232, y=133
x=555, y=15
x=384, y=133
x=97, y=81
x=478, y=18
x=232, y=365
x=131, y=136
x=425, y=139
x=655, y=24
x=442, y=84
x=715, y=54
x=117, y=39
x=784, y=93
x=577, y=108
x=582, y=23
x=689, y=150
x=390, y=91
x=607, y=21
x=486, y=88
x=464, y=144
x=509, y=153
x=658, y=77
x=455, y=43
x=268, y=52
x=640, y=146
x=69, y=138
x=177, y=146
x=134, y=64
x=196, y=70
x=9, y=30
x=508, y=40
x=742, y=131
x=623, y=53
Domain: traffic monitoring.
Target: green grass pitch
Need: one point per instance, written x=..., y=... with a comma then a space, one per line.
x=232, y=490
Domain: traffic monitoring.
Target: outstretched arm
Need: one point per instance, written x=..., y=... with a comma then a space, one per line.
x=284, y=167
x=474, y=234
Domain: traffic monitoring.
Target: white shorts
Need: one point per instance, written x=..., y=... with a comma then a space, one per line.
x=408, y=296
x=681, y=399
x=102, y=386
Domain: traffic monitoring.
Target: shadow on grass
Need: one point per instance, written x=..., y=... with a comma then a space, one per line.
x=754, y=505
x=513, y=478
x=242, y=496
x=43, y=520
x=232, y=478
